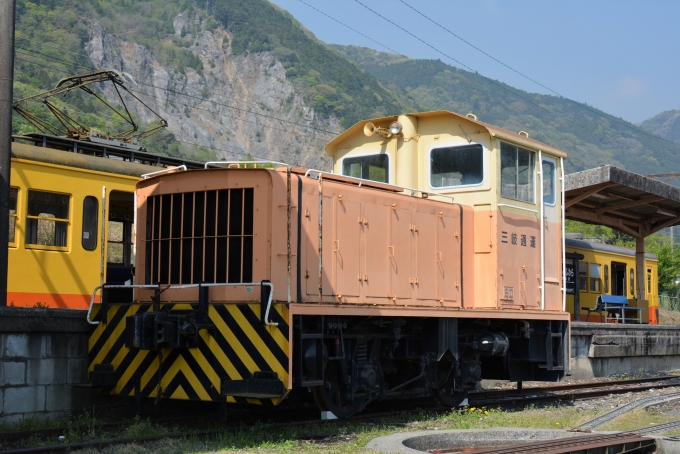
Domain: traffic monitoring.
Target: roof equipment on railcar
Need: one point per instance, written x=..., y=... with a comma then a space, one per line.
x=72, y=128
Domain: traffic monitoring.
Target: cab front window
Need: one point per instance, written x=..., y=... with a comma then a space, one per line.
x=375, y=167
x=456, y=166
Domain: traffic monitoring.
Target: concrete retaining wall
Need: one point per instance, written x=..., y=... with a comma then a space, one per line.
x=603, y=349
x=43, y=353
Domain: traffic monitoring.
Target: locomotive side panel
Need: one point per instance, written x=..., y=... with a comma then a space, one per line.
x=384, y=248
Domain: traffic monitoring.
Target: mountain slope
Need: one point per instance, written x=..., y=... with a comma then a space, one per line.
x=666, y=125
x=234, y=80
x=590, y=138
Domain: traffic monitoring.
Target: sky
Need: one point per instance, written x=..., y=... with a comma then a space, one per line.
x=622, y=56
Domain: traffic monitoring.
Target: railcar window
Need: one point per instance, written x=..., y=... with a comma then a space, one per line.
x=90, y=220
x=649, y=281
x=548, y=173
x=47, y=219
x=595, y=278
x=583, y=276
x=606, y=278
x=13, y=195
x=200, y=236
x=375, y=167
x=456, y=166
x=517, y=173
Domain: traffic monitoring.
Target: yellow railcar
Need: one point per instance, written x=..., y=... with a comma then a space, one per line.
x=609, y=270
x=55, y=237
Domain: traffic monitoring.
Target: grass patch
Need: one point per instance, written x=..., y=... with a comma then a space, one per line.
x=638, y=419
x=353, y=437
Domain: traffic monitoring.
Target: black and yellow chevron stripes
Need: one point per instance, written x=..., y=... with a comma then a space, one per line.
x=239, y=346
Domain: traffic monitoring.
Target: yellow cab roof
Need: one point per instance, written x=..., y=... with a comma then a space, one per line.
x=494, y=131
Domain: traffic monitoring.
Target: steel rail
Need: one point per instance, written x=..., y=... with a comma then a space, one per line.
x=639, y=403
x=580, y=444
x=492, y=394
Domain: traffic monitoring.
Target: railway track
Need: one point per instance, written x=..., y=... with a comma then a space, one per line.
x=570, y=392
x=493, y=398
x=620, y=443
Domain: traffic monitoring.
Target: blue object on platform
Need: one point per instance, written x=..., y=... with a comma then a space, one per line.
x=612, y=299
x=615, y=305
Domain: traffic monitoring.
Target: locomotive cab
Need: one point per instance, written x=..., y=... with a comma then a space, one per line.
x=428, y=261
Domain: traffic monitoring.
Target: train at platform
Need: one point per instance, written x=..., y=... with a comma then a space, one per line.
x=605, y=269
x=72, y=218
x=431, y=258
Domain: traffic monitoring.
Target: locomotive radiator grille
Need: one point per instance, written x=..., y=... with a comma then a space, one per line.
x=202, y=236
x=239, y=348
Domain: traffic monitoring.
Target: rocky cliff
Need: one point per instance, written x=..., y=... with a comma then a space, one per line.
x=237, y=105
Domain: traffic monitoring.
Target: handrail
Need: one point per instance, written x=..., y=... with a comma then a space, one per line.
x=519, y=208
x=166, y=170
x=185, y=286
x=362, y=180
x=209, y=163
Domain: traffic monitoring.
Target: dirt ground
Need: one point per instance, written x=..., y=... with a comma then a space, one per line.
x=669, y=317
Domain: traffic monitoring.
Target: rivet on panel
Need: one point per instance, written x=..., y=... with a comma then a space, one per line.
x=365, y=277
x=340, y=197
x=339, y=295
x=394, y=206
x=394, y=297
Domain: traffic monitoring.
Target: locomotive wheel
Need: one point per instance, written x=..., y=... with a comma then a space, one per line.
x=329, y=397
x=446, y=394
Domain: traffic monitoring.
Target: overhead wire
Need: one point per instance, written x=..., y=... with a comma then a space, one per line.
x=60, y=61
x=500, y=85
x=581, y=105
x=132, y=70
x=211, y=147
x=354, y=30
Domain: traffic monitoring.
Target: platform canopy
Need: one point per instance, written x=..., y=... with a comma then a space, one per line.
x=623, y=200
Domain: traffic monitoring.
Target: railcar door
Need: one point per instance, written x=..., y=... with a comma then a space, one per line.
x=119, y=245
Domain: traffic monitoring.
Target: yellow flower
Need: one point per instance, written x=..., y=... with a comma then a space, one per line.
x=473, y=409
x=557, y=424
x=486, y=412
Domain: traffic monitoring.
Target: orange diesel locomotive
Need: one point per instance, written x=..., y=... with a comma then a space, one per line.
x=252, y=283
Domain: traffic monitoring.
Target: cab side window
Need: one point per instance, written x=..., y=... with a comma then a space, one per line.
x=548, y=174
x=13, y=195
x=47, y=219
x=517, y=173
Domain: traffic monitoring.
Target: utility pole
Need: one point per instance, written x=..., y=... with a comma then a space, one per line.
x=6, y=83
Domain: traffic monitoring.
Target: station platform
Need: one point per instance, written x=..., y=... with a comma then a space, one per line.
x=604, y=349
